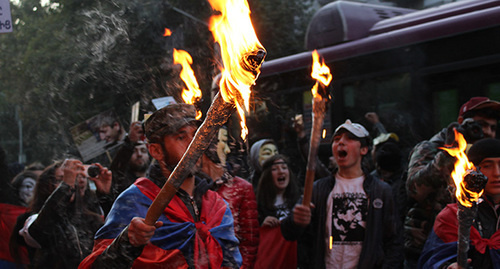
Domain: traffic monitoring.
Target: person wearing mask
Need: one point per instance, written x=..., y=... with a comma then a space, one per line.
x=195, y=229
x=237, y=192
x=23, y=185
x=352, y=221
x=277, y=193
x=440, y=250
x=60, y=233
x=260, y=151
x=429, y=184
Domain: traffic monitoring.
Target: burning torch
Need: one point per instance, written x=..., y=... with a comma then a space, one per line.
x=469, y=185
x=242, y=55
x=323, y=77
x=191, y=95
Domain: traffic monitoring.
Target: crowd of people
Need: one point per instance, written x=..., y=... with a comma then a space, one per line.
x=372, y=206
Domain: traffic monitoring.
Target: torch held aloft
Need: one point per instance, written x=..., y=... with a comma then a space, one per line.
x=320, y=106
x=217, y=115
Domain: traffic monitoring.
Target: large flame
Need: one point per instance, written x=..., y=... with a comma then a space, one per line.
x=233, y=30
x=462, y=166
x=320, y=72
x=192, y=94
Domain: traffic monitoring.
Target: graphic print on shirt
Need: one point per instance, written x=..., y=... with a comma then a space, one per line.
x=282, y=211
x=349, y=218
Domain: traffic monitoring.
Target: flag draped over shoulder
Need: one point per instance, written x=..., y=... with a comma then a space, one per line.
x=441, y=245
x=180, y=242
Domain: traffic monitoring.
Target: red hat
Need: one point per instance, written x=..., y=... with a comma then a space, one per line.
x=478, y=103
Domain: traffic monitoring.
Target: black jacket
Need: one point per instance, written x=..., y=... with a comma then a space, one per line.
x=65, y=230
x=382, y=246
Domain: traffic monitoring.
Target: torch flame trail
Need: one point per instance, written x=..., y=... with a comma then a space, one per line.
x=462, y=166
x=320, y=72
x=469, y=187
x=240, y=47
x=192, y=94
x=323, y=77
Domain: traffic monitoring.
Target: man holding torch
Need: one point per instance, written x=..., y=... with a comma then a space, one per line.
x=195, y=229
x=352, y=222
x=440, y=250
x=429, y=171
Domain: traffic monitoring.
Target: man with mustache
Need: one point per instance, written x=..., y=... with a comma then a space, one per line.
x=196, y=228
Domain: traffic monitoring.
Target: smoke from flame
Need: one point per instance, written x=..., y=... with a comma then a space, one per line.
x=192, y=94
x=462, y=166
x=233, y=31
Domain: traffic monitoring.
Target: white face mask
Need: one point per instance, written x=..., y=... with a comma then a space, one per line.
x=26, y=189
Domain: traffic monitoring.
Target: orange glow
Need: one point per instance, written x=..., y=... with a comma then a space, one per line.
x=324, y=134
x=320, y=72
x=167, y=32
x=192, y=94
x=233, y=31
x=462, y=165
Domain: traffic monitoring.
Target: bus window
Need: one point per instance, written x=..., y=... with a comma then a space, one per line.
x=493, y=90
x=445, y=105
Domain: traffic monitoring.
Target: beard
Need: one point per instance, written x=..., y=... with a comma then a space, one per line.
x=141, y=168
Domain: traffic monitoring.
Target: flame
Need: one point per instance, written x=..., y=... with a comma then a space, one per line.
x=233, y=30
x=167, y=32
x=320, y=72
x=462, y=165
x=192, y=94
x=324, y=134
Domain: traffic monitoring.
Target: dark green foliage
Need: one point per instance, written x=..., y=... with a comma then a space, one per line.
x=69, y=61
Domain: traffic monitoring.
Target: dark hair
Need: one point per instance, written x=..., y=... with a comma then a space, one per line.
x=36, y=166
x=45, y=185
x=83, y=210
x=17, y=181
x=266, y=190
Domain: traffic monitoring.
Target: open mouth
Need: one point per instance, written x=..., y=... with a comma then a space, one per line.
x=342, y=153
x=281, y=179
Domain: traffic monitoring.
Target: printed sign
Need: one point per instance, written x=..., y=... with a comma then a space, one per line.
x=5, y=18
x=98, y=134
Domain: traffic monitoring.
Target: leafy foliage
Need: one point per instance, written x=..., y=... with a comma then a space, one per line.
x=70, y=60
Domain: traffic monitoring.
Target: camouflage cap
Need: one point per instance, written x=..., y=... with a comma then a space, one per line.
x=169, y=120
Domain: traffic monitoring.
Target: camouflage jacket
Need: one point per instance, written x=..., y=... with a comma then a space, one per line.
x=429, y=170
x=430, y=187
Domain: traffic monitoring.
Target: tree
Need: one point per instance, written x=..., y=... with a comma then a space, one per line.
x=281, y=25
